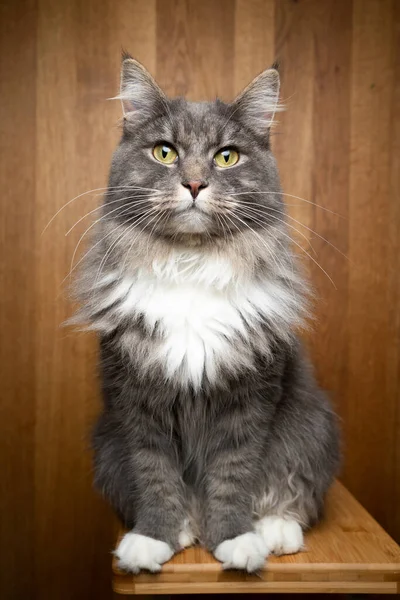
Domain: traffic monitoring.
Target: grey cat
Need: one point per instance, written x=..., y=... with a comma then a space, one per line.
x=214, y=428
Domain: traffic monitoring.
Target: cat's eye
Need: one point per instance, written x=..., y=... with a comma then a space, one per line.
x=227, y=157
x=165, y=154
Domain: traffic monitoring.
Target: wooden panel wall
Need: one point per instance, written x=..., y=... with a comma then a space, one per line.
x=338, y=149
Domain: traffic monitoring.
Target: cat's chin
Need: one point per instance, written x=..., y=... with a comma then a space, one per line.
x=191, y=222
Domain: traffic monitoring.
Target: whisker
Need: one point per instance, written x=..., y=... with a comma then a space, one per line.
x=223, y=226
x=318, y=235
x=108, y=203
x=270, y=252
x=312, y=258
x=251, y=215
x=301, y=248
x=301, y=224
x=228, y=219
x=91, y=227
x=124, y=211
x=152, y=229
x=90, y=191
x=247, y=242
x=89, y=251
x=133, y=241
x=109, y=250
x=292, y=196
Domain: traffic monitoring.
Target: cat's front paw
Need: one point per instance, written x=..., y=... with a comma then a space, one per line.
x=282, y=536
x=136, y=552
x=247, y=551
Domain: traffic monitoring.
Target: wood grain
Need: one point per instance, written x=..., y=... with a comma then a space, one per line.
x=195, y=48
x=295, y=159
x=70, y=97
x=254, y=45
x=373, y=343
x=338, y=147
x=348, y=552
x=394, y=289
x=332, y=23
x=17, y=276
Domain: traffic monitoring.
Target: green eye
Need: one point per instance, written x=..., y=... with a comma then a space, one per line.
x=227, y=157
x=165, y=154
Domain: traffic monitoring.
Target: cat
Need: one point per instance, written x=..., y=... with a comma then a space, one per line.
x=213, y=428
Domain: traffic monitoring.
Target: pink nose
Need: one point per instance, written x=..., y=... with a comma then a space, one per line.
x=194, y=187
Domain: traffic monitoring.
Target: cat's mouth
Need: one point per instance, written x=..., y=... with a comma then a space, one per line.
x=190, y=209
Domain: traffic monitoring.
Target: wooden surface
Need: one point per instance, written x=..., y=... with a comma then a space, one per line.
x=337, y=146
x=347, y=553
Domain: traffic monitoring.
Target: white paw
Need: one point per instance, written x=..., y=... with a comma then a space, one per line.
x=247, y=551
x=186, y=536
x=137, y=552
x=282, y=536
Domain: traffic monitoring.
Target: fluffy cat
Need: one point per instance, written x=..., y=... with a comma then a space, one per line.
x=213, y=427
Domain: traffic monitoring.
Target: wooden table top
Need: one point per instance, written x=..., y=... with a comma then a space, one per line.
x=346, y=553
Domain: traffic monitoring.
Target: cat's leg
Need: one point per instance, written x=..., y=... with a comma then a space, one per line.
x=229, y=530
x=300, y=464
x=144, y=485
x=229, y=481
x=289, y=505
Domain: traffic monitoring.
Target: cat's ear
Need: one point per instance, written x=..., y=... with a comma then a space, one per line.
x=257, y=104
x=139, y=93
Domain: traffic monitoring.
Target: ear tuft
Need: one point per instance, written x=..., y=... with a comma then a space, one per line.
x=259, y=101
x=125, y=55
x=276, y=65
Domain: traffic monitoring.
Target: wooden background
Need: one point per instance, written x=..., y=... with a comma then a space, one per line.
x=337, y=146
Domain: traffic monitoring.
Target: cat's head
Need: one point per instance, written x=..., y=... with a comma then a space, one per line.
x=194, y=169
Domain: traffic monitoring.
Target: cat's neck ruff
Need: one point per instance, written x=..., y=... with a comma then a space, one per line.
x=201, y=311
x=196, y=267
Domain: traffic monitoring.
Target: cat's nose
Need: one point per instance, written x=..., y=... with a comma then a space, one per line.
x=194, y=187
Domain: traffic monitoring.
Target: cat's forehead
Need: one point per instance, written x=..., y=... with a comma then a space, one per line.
x=205, y=123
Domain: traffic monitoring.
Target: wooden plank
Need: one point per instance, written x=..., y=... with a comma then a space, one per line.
x=254, y=40
x=264, y=587
x=394, y=292
x=332, y=29
x=314, y=39
x=17, y=273
x=136, y=24
x=201, y=35
x=76, y=139
x=373, y=359
x=348, y=551
x=60, y=367
x=292, y=140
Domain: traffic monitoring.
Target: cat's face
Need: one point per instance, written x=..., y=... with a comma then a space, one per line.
x=194, y=168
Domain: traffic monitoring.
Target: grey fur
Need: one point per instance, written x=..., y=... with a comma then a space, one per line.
x=262, y=439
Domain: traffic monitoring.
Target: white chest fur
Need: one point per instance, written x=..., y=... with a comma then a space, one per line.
x=204, y=314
